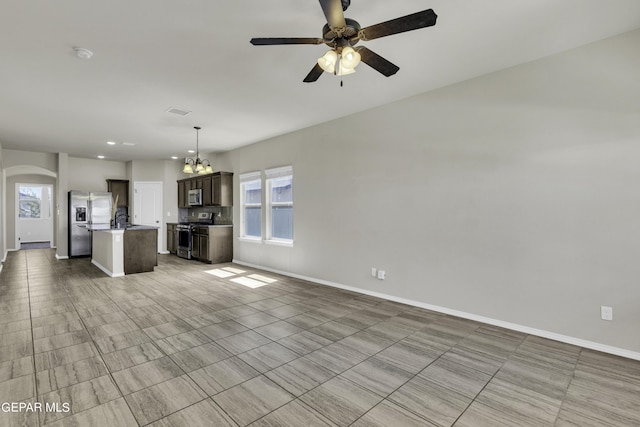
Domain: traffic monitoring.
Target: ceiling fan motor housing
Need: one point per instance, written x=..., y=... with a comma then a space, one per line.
x=350, y=33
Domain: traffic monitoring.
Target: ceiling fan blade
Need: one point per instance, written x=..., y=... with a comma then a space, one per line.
x=377, y=62
x=417, y=20
x=314, y=74
x=333, y=12
x=267, y=41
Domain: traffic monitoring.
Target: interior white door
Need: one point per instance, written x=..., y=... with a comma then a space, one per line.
x=147, y=206
x=34, y=213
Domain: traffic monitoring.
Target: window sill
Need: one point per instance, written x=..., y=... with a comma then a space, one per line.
x=286, y=243
x=250, y=239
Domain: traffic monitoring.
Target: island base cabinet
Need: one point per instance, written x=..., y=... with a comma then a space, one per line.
x=140, y=251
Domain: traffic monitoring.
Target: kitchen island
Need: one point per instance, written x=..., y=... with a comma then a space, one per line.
x=129, y=250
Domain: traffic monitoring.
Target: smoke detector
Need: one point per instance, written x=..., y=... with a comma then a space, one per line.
x=83, y=53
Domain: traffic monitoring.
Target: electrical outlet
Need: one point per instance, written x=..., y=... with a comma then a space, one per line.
x=381, y=274
x=374, y=272
x=606, y=313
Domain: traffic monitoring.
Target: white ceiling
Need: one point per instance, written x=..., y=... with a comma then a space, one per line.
x=150, y=55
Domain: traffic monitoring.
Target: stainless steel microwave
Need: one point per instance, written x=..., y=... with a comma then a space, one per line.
x=195, y=197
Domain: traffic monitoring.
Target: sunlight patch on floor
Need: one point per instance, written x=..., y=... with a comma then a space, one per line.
x=250, y=283
x=220, y=273
x=262, y=278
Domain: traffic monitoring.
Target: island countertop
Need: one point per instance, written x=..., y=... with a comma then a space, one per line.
x=131, y=227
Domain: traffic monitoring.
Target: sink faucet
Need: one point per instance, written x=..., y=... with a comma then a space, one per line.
x=119, y=219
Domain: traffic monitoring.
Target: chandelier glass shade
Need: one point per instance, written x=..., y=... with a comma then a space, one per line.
x=342, y=63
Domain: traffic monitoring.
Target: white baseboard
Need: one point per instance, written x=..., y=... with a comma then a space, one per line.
x=105, y=269
x=495, y=322
x=164, y=253
x=6, y=252
x=61, y=256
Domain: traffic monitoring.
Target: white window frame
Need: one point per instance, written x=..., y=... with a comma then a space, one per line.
x=245, y=179
x=270, y=175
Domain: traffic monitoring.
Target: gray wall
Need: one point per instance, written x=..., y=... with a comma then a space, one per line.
x=92, y=174
x=47, y=161
x=510, y=196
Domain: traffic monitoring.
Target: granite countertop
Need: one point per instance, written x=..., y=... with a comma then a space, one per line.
x=130, y=227
x=138, y=227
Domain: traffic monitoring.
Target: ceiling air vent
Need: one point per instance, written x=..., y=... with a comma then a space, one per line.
x=179, y=111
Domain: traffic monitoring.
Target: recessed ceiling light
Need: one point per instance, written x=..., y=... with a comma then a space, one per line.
x=174, y=157
x=101, y=156
x=191, y=151
x=129, y=144
x=111, y=143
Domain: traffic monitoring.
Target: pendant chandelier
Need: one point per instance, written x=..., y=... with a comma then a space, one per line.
x=198, y=166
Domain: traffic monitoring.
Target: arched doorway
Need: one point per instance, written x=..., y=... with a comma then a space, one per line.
x=27, y=176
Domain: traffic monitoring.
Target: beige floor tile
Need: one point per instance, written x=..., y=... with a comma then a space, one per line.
x=80, y=397
x=132, y=356
x=223, y=375
x=251, y=400
x=146, y=374
x=70, y=374
x=158, y=401
x=113, y=413
x=340, y=400
x=205, y=413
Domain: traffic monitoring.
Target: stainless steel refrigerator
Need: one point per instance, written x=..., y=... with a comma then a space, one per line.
x=87, y=211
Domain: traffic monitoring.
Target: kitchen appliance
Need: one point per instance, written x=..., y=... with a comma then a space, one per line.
x=185, y=232
x=195, y=197
x=183, y=235
x=87, y=211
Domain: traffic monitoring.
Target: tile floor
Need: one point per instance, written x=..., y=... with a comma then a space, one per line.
x=234, y=347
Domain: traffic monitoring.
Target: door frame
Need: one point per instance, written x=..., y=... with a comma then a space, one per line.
x=52, y=212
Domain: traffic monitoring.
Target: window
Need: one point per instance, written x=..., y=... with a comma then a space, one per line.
x=31, y=203
x=251, y=209
x=280, y=204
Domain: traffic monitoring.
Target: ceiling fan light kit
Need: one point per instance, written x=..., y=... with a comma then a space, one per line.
x=342, y=34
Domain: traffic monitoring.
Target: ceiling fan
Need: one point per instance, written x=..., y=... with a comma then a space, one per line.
x=342, y=34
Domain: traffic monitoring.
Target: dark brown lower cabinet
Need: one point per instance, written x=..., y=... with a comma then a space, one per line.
x=200, y=243
x=140, y=250
x=213, y=245
x=172, y=244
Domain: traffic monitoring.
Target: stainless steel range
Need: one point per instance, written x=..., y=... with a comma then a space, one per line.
x=185, y=232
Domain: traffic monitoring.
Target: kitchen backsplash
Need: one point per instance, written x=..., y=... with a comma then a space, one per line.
x=223, y=215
